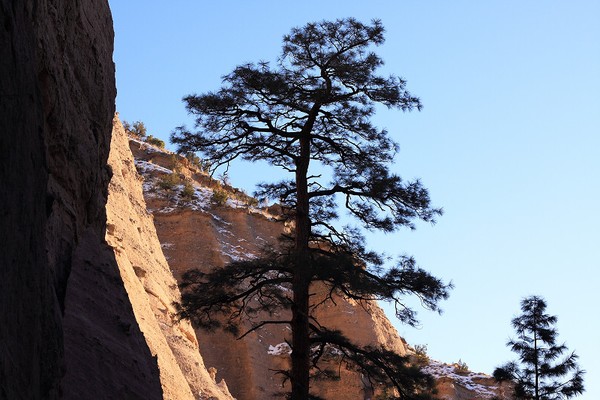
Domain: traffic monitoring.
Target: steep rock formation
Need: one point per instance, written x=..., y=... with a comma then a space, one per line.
x=57, y=90
x=150, y=284
x=84, y=320
x=203, y=232
x=30, y=339
x=58, y=337
x=199, y=233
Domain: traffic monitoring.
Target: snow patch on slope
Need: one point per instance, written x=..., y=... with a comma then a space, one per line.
x=467, y=380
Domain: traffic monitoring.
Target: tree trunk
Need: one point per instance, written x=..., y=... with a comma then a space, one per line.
x=535, y=351
x=300, y=374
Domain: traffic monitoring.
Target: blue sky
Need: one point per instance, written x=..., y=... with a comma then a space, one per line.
x=507, y=143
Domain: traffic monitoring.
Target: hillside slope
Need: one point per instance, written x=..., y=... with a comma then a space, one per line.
x=204, y=231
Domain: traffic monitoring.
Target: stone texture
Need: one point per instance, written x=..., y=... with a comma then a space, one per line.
x=106, y=354
x=30, y=338
x=57, y=92
x=200, y=234
x=151, y=287
x=83, y=319
x=203, y=235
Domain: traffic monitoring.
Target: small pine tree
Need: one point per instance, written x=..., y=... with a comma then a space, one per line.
x=420, y=357
x=155, y=141
x=194, y=160
x=538, y=375
x=188, y=191
x=139, y=128
x=461, y=367
x=219, y=197
x=169, y=182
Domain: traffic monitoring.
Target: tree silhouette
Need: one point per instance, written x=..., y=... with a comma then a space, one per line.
x=539, y=374
x=314, y=109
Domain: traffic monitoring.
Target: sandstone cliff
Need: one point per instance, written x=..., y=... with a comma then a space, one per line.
x=85, y=305
x=57, y=93
x=62, y=300
x=150, y=284
x=201, y=232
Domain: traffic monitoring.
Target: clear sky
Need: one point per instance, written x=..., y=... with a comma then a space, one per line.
x=508, y=142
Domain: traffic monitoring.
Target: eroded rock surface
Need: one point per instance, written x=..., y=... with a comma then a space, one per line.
x=60, y=288
x=203, y=232
x=150, y=284
x=83, y=319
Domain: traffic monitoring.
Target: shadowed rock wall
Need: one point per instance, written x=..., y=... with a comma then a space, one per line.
x=57, y=93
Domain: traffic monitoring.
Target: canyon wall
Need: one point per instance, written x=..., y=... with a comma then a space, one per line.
x=57, y=91
x=57, y=98
x=151, y=287
x=202, y=231
x=86, y=293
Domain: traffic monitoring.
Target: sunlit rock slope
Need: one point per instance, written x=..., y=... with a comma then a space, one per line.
x=150, y=284
x=199, y=227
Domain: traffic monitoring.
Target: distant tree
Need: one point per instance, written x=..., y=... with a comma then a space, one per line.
x=169, y=183
x=139, y=128
x=155, y=141
x=538, y=375
x=196, y=161
x=219, y=197
x=314, y=108
x=188, y=192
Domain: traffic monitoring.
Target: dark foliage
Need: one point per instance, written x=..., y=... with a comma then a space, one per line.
x=242, y=289
x=137, y=128
x=314, y=108
x=155, y=141
x=540, y=374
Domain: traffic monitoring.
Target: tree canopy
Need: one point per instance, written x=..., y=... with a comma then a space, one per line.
x=313, y=108
x=540, y=374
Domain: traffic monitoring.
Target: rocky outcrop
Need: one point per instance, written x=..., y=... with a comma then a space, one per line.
x=57, y=96
x=150, y=284
x=86, y=307
x=58, y=337
x=200, y=231
x=455, y=382
x=30, y=338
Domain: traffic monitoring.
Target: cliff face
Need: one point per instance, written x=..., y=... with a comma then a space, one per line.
x=203, y=232
x=199, y=233
x=57, y=95
x=58, y=337
x=150, y=285
x=85, y=304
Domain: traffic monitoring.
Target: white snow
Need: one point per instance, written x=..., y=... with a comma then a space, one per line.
x=440, y=370
x=145, y=167
x=279, y=349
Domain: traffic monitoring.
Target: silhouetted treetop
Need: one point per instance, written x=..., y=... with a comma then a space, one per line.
x=315, y=106
x=307, y=113
x=541, y=373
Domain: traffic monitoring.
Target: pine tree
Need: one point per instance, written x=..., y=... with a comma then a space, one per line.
x=313, y=109
x=538, y=375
